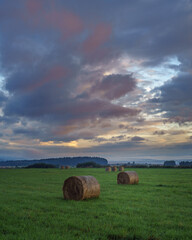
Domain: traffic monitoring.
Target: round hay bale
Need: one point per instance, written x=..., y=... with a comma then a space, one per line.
x=114, y=169
x=108, y=169
x=121, y=168
x=128, y=177
x=81, y=187
x=62, y=167
x=67, y=167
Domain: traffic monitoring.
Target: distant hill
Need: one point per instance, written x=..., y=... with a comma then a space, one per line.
x=70, y=161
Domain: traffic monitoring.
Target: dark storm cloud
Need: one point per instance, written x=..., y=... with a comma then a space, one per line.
x=175, y=98
x=141, y=28
x=43, y=51
x=153, y=30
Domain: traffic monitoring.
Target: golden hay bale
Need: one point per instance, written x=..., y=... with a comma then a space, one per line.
x=108, y=169
x=128, y=177
x=62, y=167
x=67, y=167
x=114, y=169
x=121, y=168
x=81, y=187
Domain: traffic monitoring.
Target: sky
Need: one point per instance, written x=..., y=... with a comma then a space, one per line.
x=99, y=78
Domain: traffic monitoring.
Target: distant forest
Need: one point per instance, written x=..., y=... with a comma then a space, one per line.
x=70, y=161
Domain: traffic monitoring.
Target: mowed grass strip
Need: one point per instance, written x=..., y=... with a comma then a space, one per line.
x=158, y=208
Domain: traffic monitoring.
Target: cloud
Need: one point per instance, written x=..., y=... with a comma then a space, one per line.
x=33, y=6
x=97, y=38
x=113, y=86
x=175, y=99
x=137, y=139
x=27, y=132
x=49, y=102
x=65, y=21
x=28, y=81
x=159, y=132
x=3, y=98
x=177, y=132
x=112, y=139
x=66, y=70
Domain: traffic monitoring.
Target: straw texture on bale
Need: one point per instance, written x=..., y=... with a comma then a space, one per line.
x=108, y=169
x=121, y=168
x=128, y=177
x=114, y=169
x=67, y=167
x=81, y=187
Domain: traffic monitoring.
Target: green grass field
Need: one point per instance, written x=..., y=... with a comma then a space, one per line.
x=158, y=208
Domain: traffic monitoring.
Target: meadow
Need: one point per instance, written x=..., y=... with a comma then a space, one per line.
x=158, y=208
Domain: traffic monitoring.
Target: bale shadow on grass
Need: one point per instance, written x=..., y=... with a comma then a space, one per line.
x=84, y=200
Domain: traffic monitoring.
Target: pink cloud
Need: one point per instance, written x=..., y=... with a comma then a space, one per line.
x=101, y=109
x=100, y=35
x=33, y=6
x=118, y=111
x=65, y=21
x=40, y=14
x=54, y=74
x=64, y=130
x=114, y=86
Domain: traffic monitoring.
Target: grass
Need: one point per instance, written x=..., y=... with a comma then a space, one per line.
x=158, y=208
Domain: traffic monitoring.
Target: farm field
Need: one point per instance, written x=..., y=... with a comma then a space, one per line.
x=158, y=208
